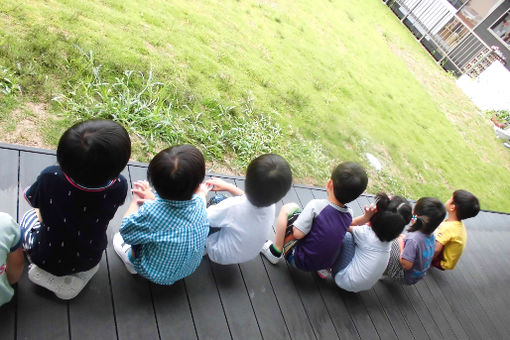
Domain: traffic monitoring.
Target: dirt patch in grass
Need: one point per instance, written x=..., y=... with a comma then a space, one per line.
x=22, y=127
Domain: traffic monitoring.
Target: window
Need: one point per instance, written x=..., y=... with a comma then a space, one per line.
x=501, y=28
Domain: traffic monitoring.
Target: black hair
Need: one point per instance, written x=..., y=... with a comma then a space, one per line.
x=466, y=204
x=94, y=151
x=391, y=217
x=176, y=172
x=268, y=179
x=429, y=212
x=349, y=181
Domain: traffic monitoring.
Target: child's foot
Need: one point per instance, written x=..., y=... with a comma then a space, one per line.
x=324, y=273
x=267, y=250
x=64, y=287
x=122, y=249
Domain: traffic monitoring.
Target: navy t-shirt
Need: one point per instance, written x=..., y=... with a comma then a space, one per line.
x=72, y=236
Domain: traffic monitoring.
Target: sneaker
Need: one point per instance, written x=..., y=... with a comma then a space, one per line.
x=267, y=253
x=64, y=287
x=122, y=249
x=324, y=273
x=88, y=274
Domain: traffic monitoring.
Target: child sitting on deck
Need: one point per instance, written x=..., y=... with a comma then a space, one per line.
x=244, y=221
x=366, y=247
x=411, y=255
x=11, y=256
x=163, y=235
x=65, y=235
x=451, y=235
x=311, y=240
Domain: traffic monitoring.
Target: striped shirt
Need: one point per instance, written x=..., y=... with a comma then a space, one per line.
x=168, y=238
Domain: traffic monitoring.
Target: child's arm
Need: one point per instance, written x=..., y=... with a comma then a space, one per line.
x=439, y=249
x=202, y=191
x=141, y=193
x=220, y=185
x=365, y=218
x=406, y=264
x=14, y=265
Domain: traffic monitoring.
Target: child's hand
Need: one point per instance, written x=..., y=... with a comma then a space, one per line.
x=216, y=184
x=370, y=211
x=142, y=192
x=203, y=190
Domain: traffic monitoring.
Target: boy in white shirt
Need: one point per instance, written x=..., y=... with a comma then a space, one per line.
x=244, y=220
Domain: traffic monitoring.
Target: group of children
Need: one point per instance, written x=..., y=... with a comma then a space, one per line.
x=166, y=232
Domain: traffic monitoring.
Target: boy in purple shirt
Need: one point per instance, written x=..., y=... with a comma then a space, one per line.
x=310, y=240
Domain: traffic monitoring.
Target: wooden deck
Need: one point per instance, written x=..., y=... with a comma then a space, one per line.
x=257, y=300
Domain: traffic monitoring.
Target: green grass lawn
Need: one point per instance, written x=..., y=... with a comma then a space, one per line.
x=316, y=81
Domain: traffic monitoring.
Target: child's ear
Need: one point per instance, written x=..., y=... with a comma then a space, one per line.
x=329, y=185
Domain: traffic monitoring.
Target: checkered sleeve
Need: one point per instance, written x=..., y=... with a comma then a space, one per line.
x=136, y=228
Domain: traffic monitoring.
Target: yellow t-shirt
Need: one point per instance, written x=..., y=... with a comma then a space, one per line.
x=453, y=237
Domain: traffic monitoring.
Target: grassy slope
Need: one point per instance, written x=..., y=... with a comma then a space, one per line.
x=343, y=73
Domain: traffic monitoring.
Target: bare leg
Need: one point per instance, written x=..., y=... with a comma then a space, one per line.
x=281, y=224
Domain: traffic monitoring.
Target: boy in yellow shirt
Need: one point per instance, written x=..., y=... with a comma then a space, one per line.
x=451, y=235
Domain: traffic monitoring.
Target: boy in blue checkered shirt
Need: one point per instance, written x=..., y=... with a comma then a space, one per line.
x=163, y=235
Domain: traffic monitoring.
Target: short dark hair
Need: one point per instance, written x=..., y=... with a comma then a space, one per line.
x=268, y=179
x=429, y=212
x=392, y=215
x=466, y=204
x=94, y=151
x=176, y=172
x=349, y=181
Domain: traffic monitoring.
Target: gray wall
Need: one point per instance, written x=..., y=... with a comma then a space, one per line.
x=483, y=31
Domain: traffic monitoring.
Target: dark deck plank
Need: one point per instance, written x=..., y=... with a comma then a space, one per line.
x=236, y=303
x=206, y=307
x=276, y=301
x=394, y=300
x=288, y=297
x=267, y=311
x=365, y=318
x=9, y=204
x=38, y=308
x=306, y=285
x=131, y=293
x=171, y=307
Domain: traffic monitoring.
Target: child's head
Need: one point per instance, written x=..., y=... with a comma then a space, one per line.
x=94, y=152
x=349, y=181
x=176, y=172
x=391, y=217
x=429, y=213
x=463, y=204
x=268, y=179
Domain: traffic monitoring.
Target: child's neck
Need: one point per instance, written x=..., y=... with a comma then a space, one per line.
x=452, y=218
x=332, y=199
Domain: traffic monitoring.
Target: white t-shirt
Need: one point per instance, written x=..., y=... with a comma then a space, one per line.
x=369, y=262
x=244, y=230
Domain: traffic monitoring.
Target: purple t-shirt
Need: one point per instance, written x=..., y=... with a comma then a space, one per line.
x=325, y=225
x=419, y=249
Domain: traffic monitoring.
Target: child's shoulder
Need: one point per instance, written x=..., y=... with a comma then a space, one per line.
x=52, y=171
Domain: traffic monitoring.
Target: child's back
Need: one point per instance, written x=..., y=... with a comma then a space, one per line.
x=163, y=239
x=11, y=256
x=246, y=219
x=451, y=235
x=74, y=202
x=72, y=235
x=321, y=226
x=411, y=256
x=365, y=254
